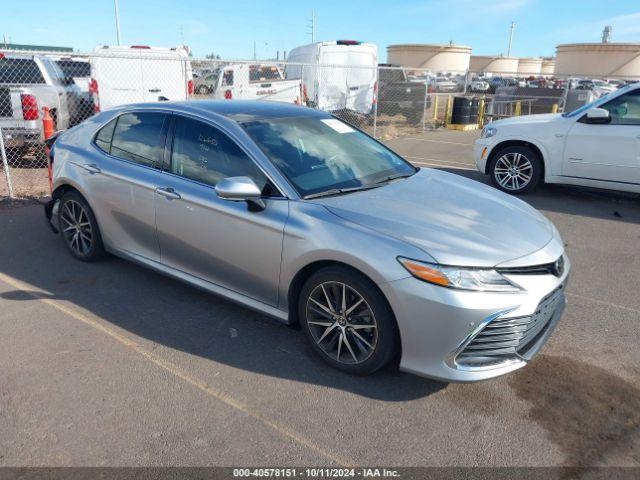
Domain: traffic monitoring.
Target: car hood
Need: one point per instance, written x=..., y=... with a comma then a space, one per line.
x=528, y=119
x=455, y=220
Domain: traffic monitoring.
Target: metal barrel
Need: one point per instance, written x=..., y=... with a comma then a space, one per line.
x=461, y=111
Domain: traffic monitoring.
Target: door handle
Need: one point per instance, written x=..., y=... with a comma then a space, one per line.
x=168, y=193
x=91, y=168
x=559, y=135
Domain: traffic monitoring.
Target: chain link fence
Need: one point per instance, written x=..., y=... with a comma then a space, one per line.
x=385, y=101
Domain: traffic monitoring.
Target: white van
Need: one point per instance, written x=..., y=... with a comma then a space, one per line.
x=138, y=73
x=336, y=76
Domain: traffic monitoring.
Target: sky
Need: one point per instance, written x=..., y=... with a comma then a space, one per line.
x=230, y=28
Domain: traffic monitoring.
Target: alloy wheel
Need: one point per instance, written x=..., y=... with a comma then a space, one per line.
x=76, y=227
x=341, y=322
x=513, y=171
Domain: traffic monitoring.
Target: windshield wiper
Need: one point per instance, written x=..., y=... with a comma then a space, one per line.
x=340, y=191
x=393, y=177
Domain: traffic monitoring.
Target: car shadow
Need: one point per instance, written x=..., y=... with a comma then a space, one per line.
x=173, y=314
x=573, y=200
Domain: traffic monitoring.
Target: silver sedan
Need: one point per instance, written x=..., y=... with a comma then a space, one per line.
x=298, y=215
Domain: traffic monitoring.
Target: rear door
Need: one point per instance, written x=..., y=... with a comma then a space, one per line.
x=351, y=83
x=123, y=179
x=119, y=78
x=164, y=75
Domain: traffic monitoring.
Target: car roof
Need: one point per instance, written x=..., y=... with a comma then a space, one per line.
x=239, y=111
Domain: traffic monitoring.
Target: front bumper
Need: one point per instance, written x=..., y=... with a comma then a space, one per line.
x=481, y=151
x=437, y=324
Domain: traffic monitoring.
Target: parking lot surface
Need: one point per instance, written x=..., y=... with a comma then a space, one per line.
x=112, y=364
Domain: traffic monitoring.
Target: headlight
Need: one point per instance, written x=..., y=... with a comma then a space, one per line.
x=462, y=278
x=488, y=132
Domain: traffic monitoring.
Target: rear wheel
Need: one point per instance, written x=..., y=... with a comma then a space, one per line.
x=347, y=321
x=79, y=228
x=516, y=169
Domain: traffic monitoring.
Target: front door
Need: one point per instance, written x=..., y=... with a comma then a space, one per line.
x=218, y=240
x=609, y=152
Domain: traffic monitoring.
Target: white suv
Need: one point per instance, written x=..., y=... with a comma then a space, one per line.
x=597, y=145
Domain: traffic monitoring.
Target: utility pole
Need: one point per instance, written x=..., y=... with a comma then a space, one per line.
x=117, y=13
x=513, y=24
x=312, y=26
x=254, y=50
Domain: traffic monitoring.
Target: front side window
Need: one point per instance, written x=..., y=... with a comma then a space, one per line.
x=203, y=153
x=323, y=154
x=625, y=109
x=138, y=137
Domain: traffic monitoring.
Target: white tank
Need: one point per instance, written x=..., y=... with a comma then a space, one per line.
x=494, y=64
x=529, y=66
x=437, y=58
x=598, y=59
x=548, y=66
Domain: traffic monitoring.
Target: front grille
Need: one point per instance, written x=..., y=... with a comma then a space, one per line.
x=6, y=110
x=505, y=338
x=554, y=268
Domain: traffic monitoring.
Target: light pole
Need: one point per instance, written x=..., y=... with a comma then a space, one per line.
x=117, y=13
x=513, y=24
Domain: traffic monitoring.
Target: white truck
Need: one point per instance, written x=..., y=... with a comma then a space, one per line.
x=337, y=76
x=256, y=82
x=27, y=84
x=139, y=73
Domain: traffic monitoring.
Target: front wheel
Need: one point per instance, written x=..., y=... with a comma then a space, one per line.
x=79, y=228
x=347, y=321
x=516, y=170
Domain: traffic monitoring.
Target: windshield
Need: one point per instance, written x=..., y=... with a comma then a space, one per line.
x=324, y=154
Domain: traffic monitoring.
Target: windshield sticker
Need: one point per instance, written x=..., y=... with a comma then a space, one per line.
x=337, y=125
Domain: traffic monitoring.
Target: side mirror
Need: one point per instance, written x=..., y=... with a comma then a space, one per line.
x=597, y=116
x=241, y=189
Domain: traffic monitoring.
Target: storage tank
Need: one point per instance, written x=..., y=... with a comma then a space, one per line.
x=495, y=64
x=529, y=66
x=437, y=58
x=598, y=59
x=548, y=66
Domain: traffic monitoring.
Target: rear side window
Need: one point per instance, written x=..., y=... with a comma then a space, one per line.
x=138, y=137
x=19, y=70
x=103, y=138
x=204, y=154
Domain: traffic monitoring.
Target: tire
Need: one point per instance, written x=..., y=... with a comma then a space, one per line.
x=369, y=348
x=74, y=213
x=526, y=174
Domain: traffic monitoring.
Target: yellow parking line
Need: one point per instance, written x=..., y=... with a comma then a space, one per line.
x=173, y=369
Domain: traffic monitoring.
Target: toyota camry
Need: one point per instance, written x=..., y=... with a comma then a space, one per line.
x=291, y=212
